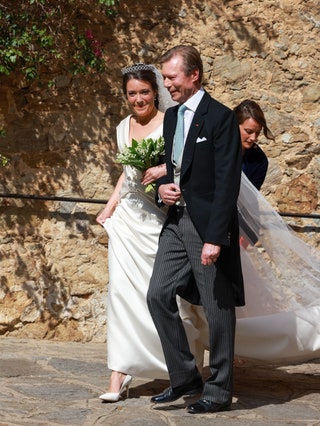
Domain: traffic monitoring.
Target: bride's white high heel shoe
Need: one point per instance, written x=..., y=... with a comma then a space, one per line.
x=115, y=396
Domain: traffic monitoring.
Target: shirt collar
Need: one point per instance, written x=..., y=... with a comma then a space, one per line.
x=193, y=102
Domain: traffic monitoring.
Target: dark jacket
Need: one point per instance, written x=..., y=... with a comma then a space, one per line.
x=210, y=180
x=255, y=165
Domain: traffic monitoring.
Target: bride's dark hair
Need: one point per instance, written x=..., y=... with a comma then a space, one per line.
x=142, y=72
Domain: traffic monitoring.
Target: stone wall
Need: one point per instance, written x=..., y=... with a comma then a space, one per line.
x=61, y=142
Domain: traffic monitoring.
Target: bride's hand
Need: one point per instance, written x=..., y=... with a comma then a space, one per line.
x=105, y=214
x=153, y=173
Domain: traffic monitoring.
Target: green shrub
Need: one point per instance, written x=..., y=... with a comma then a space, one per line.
x=30, y=38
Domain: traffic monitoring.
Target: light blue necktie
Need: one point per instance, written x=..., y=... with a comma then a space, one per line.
x=179, y=134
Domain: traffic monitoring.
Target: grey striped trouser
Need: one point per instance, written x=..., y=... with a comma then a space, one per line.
x=178, y=256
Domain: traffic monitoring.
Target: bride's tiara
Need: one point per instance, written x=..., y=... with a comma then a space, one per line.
x=137, y=67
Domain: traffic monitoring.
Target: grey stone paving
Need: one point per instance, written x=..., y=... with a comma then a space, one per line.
x=58, y=383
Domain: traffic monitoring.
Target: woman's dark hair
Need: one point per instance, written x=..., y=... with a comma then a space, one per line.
x=191, y=59
x=250, y=109
x=141, y=72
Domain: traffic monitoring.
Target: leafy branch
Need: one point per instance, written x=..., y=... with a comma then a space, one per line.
x=30, y=38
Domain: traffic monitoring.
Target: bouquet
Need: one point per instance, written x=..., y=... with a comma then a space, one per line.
x=143, y=155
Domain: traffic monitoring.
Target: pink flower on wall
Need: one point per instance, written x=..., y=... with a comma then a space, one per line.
x=94, y=44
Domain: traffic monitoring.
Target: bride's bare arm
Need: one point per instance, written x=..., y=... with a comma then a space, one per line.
x=112, y=203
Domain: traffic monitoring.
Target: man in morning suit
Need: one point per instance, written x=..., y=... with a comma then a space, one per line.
x=199, y=241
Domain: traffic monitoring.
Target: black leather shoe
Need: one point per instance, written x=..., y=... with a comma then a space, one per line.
x=205, y=406
x=170, y=395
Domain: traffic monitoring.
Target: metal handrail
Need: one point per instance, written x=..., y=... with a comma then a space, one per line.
x=97, y=201
x=54, y=198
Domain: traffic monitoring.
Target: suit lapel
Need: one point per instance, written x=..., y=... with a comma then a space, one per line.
x=171, y=121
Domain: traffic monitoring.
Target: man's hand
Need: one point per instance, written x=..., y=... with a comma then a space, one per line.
x=210, y=253
x=169, y=193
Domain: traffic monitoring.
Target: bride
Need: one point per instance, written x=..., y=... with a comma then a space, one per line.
x=133, y=223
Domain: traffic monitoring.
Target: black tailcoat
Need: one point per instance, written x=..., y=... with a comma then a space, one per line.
x=210, y=182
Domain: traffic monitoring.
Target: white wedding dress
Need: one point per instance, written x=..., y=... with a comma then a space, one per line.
x=281, y=319
x=133, y=344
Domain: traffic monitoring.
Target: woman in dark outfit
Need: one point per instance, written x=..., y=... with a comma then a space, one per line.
x=251, y=121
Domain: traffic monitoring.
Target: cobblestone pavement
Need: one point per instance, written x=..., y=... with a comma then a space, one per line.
x=58, y=383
